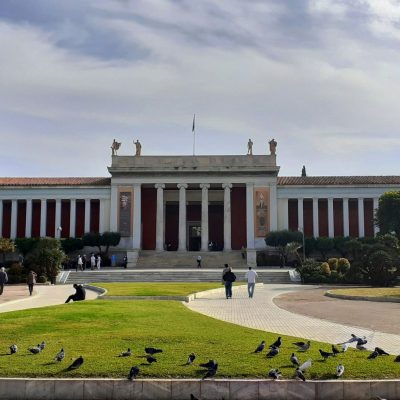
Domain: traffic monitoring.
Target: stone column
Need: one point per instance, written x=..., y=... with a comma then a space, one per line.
x=114, y=209
x=28, y=218
x=346, y=217
x=43, y=217
x=273, y=205
x=361, y=227
x=204, y=216
x=1, y=218
x=315, y=218
x=300, y=214
x=101, y=215
x=227, y=216
x=160, y=216
x=87, y=216
x=14, y=212
x=137, y=216
x=331, y=230
x=251, y=254
x=182, y=216
x=285, y=213
x=72, y=218
x=58, y=219
x=375, y=207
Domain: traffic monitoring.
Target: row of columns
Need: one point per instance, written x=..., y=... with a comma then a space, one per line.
x=43, y=217
x=361, y=226
x=183, y=220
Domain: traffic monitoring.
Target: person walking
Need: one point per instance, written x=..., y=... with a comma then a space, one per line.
x=84, y=262
x=31, y=281
x=79, y=264
x=92, y=262
x=251, y=281
x=3, y=279
x=98, y=262
x=125, y=261
x=199, y=261
x=229, y=277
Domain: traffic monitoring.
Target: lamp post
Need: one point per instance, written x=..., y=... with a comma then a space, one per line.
x=59, y=230
x=304, y=243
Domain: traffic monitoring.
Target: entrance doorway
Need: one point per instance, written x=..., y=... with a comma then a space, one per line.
x=194, y=235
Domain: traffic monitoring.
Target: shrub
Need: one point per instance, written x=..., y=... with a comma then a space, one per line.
x=15, y=269
x=324, y=245
x=343, y=266
x=71, y=244
x=42, y=279
x=340, y=245
x=333, y=263
x=325, y=268
x=26, y=245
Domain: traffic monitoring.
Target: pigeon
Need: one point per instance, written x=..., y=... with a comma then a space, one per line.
x=305, y=365
x=211, y=372
x=277, y=343
x=13, y=349
x=76, y=364
x=373, y=355
x=303, y=346
x=324, y=354
x=35, y=350
x=300, y=375
x=339, y=370
x=344, y=346
x=360, y=347
x=127, y=353
x=152, y=350
x=273, y=352
x=151, y=359
x=60, y=356
x=193, y=397
x=335, y=350
x=381, y=352
x=294, y=360
x=42, y=345
x=210, y=364
x=274, y=374
x=397, y=359
x=260, y=347
x=191, y=358
x=353, y=339
x=361, y=342
x=133, y=373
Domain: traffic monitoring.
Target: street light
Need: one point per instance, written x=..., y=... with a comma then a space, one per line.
x=59, y=230
x=304, y=243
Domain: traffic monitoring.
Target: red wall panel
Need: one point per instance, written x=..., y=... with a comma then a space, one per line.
x=216, y=224
x=149, y=212
x=65, y=218
x=353, y=217
x=36, y=210
x=80, y=218
x=6, y=231
x=369, y=217
x=51, y=218
x=21, y=218
x=338, y=217
x=323, y=217
x=308, y=217
x=238, y=218
x=172, y=225
x=94, y=215
x=293, y=215
x=193, y=212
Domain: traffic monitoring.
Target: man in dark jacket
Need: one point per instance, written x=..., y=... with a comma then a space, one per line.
x=80, y=294
x=3, y=279
x=229, y=277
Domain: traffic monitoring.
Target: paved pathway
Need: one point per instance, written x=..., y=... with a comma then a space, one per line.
x=17, y=297
x=261, y=313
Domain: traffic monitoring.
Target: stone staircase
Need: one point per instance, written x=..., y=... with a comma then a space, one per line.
x=149, y=259
x=175, y=275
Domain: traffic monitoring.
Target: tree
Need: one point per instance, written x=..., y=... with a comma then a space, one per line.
x=106, y=239
x=340, y=244
x=71, y=244
x=6, y=246
x=387, y=216
x=25, y=245
x=324, y=245
x=280, y=239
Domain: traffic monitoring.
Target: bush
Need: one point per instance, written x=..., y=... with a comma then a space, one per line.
x=325, y=268
x=333, y=263
x=26, y=245
x=343, y=266
x=71, y=244
x=324, y=245
x=42, y=279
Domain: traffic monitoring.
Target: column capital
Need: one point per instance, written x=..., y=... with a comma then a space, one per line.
x=182, y=185
x=205, y=186
x=159, y=186
x=227, y=185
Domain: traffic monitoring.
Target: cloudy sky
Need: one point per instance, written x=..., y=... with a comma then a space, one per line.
x=322, y=77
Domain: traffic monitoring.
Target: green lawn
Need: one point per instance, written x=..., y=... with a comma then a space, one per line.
x=99, y=330
x=156, y=289
x=369, y=292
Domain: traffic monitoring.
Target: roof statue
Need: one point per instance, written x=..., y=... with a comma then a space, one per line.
x=114, y=147
x=272, y=146
x=303, y=171
x=138, y=148
x=249, y=148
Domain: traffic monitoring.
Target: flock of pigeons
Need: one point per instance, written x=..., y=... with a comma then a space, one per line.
x=211, y=367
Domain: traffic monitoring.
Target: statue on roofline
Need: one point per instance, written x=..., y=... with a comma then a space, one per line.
x=114, y=147
x=250, y=148
x=138, y=148
x=272, y=146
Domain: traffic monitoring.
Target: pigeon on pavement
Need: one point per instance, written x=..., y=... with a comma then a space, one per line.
x=353, y=339
x=260, y=347
x=360, y=347
x=339, y=370
x=381, y=352
x=13, y=349
x=373, y=355
x=210, y=364
x=152, y=350
x=344, y=346
x=35, y=350
x=60, y=356
x=126, y=353
x=151, y=359
x=294, y=360
x=273, y=352
x=133, y=373
x=191, y=358
x=305, y=365
x=324, y=354
x=274, y=374
x=76, y=364
x=300, y=375
x=277, y=343
x=211, y=372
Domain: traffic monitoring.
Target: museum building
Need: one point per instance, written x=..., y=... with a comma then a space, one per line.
x=181, y=203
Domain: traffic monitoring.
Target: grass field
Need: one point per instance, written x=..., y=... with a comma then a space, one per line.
x=156, y=289
x=99, y=330
x=369, y=292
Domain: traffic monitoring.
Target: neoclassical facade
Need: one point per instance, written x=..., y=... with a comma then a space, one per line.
x=181, y=203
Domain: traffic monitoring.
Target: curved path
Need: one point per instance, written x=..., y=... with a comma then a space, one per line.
x=262, y=313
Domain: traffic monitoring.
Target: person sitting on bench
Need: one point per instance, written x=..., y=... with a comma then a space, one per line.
x=79, y=295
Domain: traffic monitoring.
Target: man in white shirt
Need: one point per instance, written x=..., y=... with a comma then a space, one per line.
x=251, y=281
x=92, y=262
x=79, y=264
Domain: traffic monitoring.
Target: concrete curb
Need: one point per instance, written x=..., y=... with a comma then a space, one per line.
x=180, y=389
x=362, y=298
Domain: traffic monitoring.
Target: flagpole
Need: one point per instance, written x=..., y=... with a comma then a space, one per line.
x=194, y=132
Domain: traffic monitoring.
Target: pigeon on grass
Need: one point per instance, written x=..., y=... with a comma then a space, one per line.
x=13, y=349
x=277, y=343
x=324, y=354
x=35, y=350
x=42, y=345
x=211, y=372
x=133, y=373
x=339, y=370
x=303, y=346
x=373, y=355
x=190, y=359
x=260, y=347
x=76, y=364
x=152, y=350
x=273, y=352
x=60, y=356
x=126, y=353
x=381, y=352
x=344, y=347
x=151, y=359
x=274, y=374
x=305, y=365
x=397, y=359
x=300, y=375
x=209, y=364
x=335, y=350
x=294, y=360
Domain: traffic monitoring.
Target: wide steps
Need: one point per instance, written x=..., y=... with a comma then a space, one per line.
x=198, y=275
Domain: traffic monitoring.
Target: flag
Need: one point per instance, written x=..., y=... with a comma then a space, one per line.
x=194, y=120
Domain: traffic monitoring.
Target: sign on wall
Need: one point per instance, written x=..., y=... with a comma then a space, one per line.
x=261, y=212
x=125, y=213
